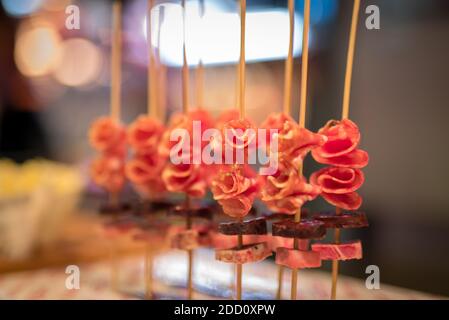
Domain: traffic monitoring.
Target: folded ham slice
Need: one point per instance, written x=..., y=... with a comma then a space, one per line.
x=294, y=142
x=338, y=186
x=108, y=172
x=144, y=134
x=235, y=190
x=297, y=259
x=341, y=147
x=342, y=251
x=108, y=136
x=286, y=190
x=245, y=254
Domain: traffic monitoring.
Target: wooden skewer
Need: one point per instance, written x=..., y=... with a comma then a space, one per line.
x=350, y=59
x=242, y=65
x=161, y=70
x=305, y=64
x=200, y=85
x=200, y=70
x=152, y=109
x=116, y=58
x=345, y=115
x=280, y=280
x=185, y=67
x=237, y=87
x=335, y=262
x=242, y=88
x=190, y=255
x=115, y=106
x=152, y=101
x=185, y=107
x=148, y=269
x=114, y=266
x=289, y=60
x=239, y=269
x=287, y=105
x=302, y=116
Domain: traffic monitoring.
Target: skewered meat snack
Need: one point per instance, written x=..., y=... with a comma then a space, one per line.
x=346, y=220
x=339, y=251
x=251, y=227
x=244, y=254
x=305, y=229
x=298, y=259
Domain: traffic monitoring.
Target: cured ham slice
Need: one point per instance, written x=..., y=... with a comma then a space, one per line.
x=107, y=135
x=286, y=191
x=235, y=191
x=354, y=159
x=186, y=240
x=202, y=116
x=185, y=178
x=338, y=180
x=251, y=227
x=221, y=241
x=294, y=142
x=239, y=140
x=338, y=186
x=189, y=239
x=279, y=242
x=342, y=137
x=108, y=172
x=348, y=201
x=342, y=251
x=297, y=259
x=144, y=134
x=245, y=254
x=346, y=220
x=306, y=229
x=341, y=147
x=225, y=117
x=145, y=167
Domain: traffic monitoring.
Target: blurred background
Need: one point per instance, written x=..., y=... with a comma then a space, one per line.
x=54, y=82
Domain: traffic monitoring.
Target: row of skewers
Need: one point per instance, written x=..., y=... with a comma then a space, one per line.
x=235, y=186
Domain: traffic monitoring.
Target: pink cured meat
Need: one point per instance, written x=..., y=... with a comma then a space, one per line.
x=297, y=259
x=338, y=186
x=182, y=238
x=246, y=254
x=278, y=242
x=344, y=251
x=222, y=241
x=235, y=191
x=186, y=240
x=341, y=147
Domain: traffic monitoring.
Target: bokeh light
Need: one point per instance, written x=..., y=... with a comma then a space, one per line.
x=80, y=64
x=37, y=50
x=20, y=8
